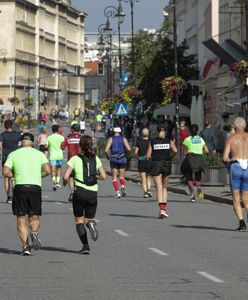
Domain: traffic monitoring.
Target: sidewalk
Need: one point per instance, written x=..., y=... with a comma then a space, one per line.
x=219, y=194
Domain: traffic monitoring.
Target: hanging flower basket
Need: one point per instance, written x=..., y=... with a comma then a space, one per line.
x=240, y=69
x=170, y=86
x=29, y=101
x=128, y=93
x=14, y=100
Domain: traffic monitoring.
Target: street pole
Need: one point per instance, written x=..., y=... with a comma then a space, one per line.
x=132, y=30
x=120, y=58
x=176, y=74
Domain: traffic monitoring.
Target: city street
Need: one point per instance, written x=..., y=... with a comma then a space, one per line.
x=194, y=254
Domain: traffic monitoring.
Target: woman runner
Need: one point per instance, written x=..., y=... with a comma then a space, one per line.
x=160, y=151
x=84, y=199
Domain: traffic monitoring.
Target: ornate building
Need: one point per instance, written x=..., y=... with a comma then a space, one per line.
x=41, y=54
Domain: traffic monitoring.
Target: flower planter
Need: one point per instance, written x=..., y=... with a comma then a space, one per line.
x=132, y=164
x=215, y=176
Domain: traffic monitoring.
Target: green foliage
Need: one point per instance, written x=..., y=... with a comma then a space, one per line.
x=212, y=160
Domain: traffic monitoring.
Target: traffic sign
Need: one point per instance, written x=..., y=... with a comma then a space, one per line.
x=121, y=109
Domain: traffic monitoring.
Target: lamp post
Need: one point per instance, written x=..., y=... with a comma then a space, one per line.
x=131, y=2
x=112, y=11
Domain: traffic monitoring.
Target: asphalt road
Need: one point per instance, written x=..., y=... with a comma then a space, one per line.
x=193, y=254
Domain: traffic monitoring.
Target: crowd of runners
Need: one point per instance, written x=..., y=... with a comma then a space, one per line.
x=23, y=167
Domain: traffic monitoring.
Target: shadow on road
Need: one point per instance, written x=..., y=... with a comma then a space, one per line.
x=132, y=216
x=8, y=251
x=57, y=249
x=202, y=227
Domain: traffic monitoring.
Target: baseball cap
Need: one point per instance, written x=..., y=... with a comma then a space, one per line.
x=27, y=136
x=117, y=129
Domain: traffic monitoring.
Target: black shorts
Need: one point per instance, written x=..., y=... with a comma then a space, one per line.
x=114, y=165
x=43, y=148
x=26, y=200
x=4, y=158
x=162, y=167
x=84, y=203
x=144, y=166
x=72, y=175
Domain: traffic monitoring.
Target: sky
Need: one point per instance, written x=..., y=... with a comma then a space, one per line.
x=147, y=14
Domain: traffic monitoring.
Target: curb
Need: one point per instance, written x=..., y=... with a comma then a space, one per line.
x=183, y=192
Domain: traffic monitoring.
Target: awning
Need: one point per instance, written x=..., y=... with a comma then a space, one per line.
x=213, y=46
x=207, y=68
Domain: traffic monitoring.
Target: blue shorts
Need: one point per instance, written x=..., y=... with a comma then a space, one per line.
x=238, y=177
x=57, y=163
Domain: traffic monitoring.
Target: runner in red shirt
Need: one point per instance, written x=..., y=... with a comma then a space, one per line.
x=72, y=143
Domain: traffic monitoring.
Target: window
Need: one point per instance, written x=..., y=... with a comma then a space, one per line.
x=100, y=69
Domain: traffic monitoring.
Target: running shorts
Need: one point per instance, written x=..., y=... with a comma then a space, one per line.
x=57, y=163
x=26, y=200
x=144, y=166
x=115, y=165
x=161, y=168
x=84, y=203
x=238, y=177
x=43, y=148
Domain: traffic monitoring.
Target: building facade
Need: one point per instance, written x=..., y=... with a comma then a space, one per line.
x=42, y=45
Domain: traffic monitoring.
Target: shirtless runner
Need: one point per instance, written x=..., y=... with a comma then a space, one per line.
x=236, y=153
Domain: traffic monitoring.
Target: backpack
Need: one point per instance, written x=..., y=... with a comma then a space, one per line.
x=89, y=170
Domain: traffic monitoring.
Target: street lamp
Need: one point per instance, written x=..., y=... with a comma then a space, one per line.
x=131, y=2
x=111, y=11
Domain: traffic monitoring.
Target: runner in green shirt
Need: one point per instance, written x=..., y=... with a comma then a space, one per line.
x=54, y=142
x=27, y=165
x=84, y=199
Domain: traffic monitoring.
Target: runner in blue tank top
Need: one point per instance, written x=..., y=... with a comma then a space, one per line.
x=117, y=146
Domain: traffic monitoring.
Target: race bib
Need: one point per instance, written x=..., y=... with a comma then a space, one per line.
x=161, y=146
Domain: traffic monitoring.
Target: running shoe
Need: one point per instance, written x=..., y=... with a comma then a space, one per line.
x=241, y=228
x=118, y=194
x=163, y=214
x=200, y=194
x=35, y=240
x=146, y=195
x=9, y=200
x=92, y=229
x=70, y=197
x=58, y=185
x=123, y=192
x=54, y=186
x=192, y=198
x=85, y=250
x=26, y=251
x=149, y=193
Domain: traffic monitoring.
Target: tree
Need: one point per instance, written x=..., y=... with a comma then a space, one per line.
x=154, y=60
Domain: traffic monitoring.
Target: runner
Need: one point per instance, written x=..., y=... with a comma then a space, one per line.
x=160, y=151
x=144, y=165
x=54, y=142
x=85, y=196
x=237, y=148
x=27, y=165
x=193, y=164
x=72, y=142
x=9, y=141
x=118, y=145
x=42, y=141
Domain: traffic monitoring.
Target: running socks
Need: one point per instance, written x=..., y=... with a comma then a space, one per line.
x=58, y=179
x=116, y=186
x=81, y=231
x=122, y=181
x=162, y=206
x=54, y=178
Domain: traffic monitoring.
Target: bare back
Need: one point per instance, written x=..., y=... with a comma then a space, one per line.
x=237, y=146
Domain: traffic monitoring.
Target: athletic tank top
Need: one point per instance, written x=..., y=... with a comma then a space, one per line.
x=118, y=150
x=160, y=149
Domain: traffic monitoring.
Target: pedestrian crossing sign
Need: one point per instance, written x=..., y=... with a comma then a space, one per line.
x=122, y=109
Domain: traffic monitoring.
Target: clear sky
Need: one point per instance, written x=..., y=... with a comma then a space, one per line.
x=147, y=13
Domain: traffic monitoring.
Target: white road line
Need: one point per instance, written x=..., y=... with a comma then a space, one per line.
x=157, y=251
x=45, y=196
x=120, y=232
x=211, y=277
x=59, y=203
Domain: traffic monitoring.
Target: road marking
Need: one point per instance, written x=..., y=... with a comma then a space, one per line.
x=45, y=196
x=120, y=232
x=97, y=221
x=59, y=203
x=157, y=251
x=211, y=277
